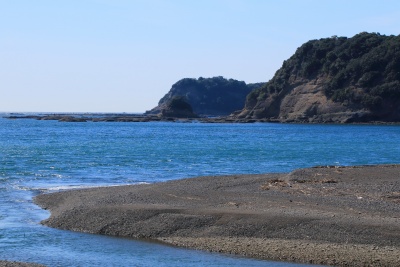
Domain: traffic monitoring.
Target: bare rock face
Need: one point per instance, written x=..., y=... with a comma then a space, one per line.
x=336, y=80
x=302, y=101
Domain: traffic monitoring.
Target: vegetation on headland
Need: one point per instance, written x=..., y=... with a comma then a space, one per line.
x=359, y=74
x=209, y=96
x=330, y=80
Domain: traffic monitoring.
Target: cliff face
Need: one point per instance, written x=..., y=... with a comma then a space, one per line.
x=208, y=96
x=333, y=80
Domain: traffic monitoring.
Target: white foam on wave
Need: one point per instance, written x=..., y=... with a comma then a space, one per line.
x=57, y=188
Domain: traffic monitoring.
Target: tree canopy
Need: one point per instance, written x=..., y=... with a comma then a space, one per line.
x=363, y=70
x=210, y=96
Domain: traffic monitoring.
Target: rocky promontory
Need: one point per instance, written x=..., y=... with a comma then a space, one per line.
x=334, y=80
x=177, y=107
x=330, y=80
x=215, y=96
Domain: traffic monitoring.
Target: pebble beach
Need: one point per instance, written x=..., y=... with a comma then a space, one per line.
x=332, y=215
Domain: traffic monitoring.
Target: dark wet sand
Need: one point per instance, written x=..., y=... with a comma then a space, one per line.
x=344, y=216
x=18, y=264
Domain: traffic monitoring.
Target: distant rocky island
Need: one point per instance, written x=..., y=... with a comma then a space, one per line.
x=215, y=96
x=333, y=80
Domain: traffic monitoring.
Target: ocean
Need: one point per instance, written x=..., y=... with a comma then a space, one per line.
x=47, y=156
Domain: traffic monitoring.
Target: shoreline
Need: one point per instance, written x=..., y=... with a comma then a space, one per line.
x=5, y=263
x=342, y=216
x=136, y=118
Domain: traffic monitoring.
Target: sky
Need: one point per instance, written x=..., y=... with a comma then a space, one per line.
x=123, y=56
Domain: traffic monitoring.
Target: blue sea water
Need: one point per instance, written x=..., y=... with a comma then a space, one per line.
x=46, y=156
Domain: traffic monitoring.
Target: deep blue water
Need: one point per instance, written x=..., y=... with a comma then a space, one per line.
x=46, y=156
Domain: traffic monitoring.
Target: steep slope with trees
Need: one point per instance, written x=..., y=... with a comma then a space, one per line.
x=209, y=96
x=335, y=79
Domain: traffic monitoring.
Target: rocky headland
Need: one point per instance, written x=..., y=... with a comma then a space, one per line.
x=333, y=80
x=330, y=80
x=215, y=96
x=341, y=216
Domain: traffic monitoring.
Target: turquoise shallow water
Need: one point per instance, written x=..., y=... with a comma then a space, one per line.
x=46, y=156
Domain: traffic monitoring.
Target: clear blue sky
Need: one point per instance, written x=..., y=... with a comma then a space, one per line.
x=123, y=56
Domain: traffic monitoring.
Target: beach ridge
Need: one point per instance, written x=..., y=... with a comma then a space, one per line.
x=332, y=215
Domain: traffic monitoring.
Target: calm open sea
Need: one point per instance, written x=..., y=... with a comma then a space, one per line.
x=46, y=156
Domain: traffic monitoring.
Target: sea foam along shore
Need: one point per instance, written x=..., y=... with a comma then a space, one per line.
x=343, y=216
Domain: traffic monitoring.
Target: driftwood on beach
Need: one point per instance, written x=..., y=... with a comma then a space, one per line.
x=344, y=216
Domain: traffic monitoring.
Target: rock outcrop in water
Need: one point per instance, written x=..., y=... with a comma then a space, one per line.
x=215, y=96
x=178, y=107
x=335, y=79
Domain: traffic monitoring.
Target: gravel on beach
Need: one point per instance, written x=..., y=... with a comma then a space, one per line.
x=18, y=264
x=341, y=216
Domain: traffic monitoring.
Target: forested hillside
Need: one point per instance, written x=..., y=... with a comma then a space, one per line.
x=335, y=79
x=209, y=96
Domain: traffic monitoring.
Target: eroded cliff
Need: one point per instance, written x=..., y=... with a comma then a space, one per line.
x=335, y=79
